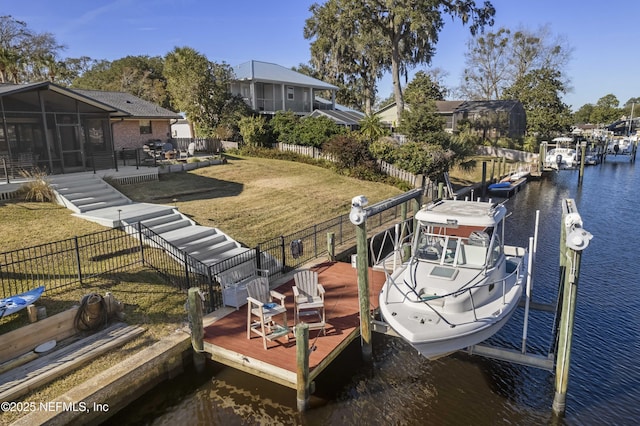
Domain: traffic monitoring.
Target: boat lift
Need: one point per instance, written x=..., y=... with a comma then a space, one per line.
x=573, y=240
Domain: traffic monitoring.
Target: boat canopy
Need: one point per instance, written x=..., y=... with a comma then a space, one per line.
x=452, y=213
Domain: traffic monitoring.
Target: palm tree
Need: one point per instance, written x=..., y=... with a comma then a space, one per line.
x=371, y=127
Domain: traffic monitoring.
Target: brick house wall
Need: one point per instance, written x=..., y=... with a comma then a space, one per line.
x=126, y=133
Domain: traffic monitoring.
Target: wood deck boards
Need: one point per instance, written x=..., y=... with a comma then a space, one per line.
x=41, y=370
x=226, y=339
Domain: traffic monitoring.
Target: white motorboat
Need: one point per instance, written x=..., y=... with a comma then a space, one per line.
x=562, y=158
x=461, y=284
x=620, y=146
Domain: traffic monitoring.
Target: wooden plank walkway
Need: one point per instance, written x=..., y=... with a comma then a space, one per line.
x=21, y=380
x=226, y=339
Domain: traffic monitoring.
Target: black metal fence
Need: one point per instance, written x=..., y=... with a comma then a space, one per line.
x=70, y=263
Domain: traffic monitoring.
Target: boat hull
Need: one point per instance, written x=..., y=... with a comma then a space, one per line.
x=433, y=331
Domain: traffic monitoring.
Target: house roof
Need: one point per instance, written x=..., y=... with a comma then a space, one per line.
x=344, y=118
x=268, y=72
x=129, y=104
x=11, y=89
x=488, y=105
x=118, y=104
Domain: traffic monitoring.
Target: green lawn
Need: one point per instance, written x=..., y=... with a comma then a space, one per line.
x=251, y=199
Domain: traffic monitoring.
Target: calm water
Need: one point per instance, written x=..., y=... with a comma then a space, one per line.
x=402, y=388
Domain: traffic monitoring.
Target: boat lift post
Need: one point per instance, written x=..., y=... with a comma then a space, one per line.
x=533, y=246
x=573, y=240
x=358, y=216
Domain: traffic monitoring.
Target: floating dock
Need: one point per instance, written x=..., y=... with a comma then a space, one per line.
x=227, y=343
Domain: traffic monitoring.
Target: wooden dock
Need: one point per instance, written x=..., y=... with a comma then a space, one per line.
x=226, y=339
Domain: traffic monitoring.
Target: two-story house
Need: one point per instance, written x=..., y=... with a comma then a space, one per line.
x=268, y=88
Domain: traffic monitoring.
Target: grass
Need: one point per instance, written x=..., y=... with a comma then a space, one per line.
x=251, y=199
x=256, y=199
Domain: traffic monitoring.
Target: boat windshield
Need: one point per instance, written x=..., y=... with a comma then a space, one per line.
x=465, y=250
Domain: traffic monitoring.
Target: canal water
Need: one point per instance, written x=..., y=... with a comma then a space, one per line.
x=402, y=388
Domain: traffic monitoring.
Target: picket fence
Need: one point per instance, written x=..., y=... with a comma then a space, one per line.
x=389, y=169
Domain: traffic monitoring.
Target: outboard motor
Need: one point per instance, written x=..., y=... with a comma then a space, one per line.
x=616, y=148
x=559, y=159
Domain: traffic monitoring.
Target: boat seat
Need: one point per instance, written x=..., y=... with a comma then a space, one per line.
x=474, y=256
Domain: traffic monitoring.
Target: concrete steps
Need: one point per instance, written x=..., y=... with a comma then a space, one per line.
x=94, y=199
x=86, y=193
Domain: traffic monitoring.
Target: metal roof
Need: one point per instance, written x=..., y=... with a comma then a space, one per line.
x=268, y=72
x=344, y=118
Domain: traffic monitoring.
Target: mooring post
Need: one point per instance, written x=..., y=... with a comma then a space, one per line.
x=541, y=156
x=194, y=309
x=576, y=239
x=331, y=246
x=483, y=194
x=301, y=332
x=583, y=153
x=362, y=263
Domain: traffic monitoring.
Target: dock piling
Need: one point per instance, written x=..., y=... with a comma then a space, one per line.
x=302, y=368
x=194, y=309
x=574, y=239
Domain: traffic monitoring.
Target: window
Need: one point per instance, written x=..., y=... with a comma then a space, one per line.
x=290, y=93
x=145, y=127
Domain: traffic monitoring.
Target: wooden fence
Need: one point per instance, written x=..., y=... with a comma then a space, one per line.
x=389, y=169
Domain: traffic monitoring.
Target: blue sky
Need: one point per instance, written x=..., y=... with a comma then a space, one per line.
x=602, y=34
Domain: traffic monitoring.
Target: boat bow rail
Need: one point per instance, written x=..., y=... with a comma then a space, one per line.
x=436, y=302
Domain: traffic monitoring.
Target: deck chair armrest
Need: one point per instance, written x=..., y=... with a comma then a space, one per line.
x=320, y=289
x=277, y=295
x=256, y=302
x=296, y=292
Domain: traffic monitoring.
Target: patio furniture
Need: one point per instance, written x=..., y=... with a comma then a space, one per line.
x=262, y=309
x=308, y=297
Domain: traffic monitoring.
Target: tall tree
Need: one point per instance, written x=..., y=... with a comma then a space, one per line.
x=403, y=32
x=346, y=49
x=495, y=61
x=487, y=66
x=141, y=76
x=583, y=115
x=540, y=92
x=423, y=88
x=25, y=55
x=200, y=89
x=606, y=110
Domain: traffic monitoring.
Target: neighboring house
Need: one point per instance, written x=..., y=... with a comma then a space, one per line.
x=494, y=118
x=64, y=130
x=268, y=88
x=510, y=115
x=181, y=129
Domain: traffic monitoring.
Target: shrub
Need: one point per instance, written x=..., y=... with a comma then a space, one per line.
x=315, y=131
x=348, y=152
x=37, y=188
x=254, y=131
x=384, y=148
